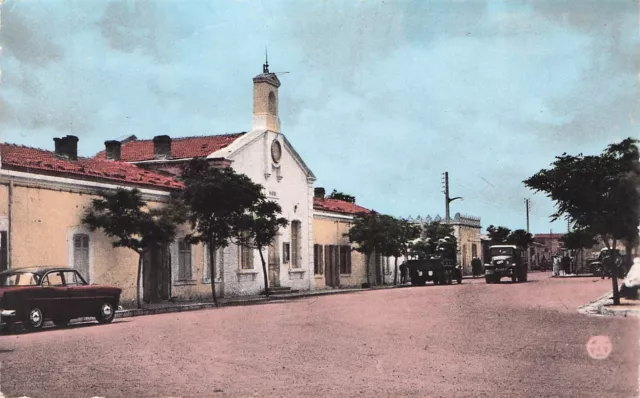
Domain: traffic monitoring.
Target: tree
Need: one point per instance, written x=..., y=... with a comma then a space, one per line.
x=597, y=192
x=498, y=235
x=579, y=239
x=259, y=227
x=520, y=238
x=126, y=218
x=398, y=235
x=368, y=233
x=342, y=196
x=408, y=232
x=217, y=200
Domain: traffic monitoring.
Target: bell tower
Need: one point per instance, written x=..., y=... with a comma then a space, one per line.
x=265, y=100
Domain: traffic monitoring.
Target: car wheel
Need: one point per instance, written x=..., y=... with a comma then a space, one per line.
x=61, y=322
x=107, y=313
x=35, y=319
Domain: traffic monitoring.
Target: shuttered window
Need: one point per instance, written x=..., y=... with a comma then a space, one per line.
x=81, y=255
x=345, y=259
x=184, y=260
x=295, y=244
x=317, y=259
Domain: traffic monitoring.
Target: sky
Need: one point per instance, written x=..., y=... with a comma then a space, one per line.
x=381, y=98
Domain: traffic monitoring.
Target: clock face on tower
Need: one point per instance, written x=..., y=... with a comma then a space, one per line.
x=276, y=151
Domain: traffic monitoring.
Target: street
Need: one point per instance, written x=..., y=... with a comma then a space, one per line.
x=508, y=340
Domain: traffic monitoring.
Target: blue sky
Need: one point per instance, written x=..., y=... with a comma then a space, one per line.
x=382, y=96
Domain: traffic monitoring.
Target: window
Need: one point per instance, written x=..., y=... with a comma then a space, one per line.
x=295, y=244
x=474, y=250
x=286, y=252
x=272, y=103
x=53, y=279
x=345, y=259
x=218, y=262
x=246, y=257
x=184, y=260
x=72, y=278
x=317, y=259
x=3, y=251
x=81, y=255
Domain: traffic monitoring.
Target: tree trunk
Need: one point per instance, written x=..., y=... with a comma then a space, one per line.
x=212, y=251
x=614, y=274
x=138, y=278
x=395, y=275
x=368, y=267
x=264, y=273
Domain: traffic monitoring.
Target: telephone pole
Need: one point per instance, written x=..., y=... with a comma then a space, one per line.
x=528, y=206
x=447, y=199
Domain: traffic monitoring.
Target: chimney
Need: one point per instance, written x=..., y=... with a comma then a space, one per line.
x=318, y=193
x=112, y=149
x=161, y=147
x=66, y=147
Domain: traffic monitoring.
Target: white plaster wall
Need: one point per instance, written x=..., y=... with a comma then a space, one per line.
x=294, y=193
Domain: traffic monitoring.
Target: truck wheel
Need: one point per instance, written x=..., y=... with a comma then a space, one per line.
x=488, y=279
x=436, y=279
x=524, y=277
x=449, y=277
x=459, y=277
x=514, y=278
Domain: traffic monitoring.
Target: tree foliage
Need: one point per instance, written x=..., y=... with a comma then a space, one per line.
x=125, y=218
x=342, y=196
x=368, y=233
x=596, y=192
x=217, y=201
x=579, y=239
x=520, y=238
x=498, y=235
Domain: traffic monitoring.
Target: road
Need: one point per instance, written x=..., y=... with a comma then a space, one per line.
x=507, y=340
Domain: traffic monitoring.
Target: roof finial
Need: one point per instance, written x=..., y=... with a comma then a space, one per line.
x=265, y=66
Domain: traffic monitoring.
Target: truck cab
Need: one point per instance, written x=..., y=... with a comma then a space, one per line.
x=506, y=261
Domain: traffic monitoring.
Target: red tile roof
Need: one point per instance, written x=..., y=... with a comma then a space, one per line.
x=45, y=162
x=338, y=206
x=181, y=148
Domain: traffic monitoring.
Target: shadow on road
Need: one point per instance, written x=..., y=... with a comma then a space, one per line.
x=20, y=329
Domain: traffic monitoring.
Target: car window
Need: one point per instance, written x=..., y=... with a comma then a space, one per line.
x=53, y=279
x=20, y=279
x=71, y=278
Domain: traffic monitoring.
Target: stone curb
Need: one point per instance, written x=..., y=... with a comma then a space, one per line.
x=600, y=307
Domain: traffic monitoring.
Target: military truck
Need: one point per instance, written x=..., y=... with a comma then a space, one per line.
x=440, y=268
x=506, y=261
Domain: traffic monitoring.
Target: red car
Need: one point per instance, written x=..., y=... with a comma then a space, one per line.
x=31, y=295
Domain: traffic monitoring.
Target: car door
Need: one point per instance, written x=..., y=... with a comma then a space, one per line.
x=54, y=298
x=79, y=294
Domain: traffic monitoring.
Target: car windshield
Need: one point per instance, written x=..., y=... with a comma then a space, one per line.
x=20, y=279
x=502, y=251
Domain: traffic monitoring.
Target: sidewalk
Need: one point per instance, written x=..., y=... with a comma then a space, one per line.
x=604, y=306
x=163, y=308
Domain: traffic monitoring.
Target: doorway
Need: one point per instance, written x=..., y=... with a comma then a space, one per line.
x=156, y=274
x=274, y=262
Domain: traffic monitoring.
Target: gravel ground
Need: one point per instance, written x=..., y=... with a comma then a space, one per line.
x=507, y=340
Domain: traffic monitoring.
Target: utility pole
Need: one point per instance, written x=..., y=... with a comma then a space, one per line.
x=447, y=199
x=526, y=201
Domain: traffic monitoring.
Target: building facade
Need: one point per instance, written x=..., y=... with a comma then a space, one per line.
x=266, y=156
x=466, y=230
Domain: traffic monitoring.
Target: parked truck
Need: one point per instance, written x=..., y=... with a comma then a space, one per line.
x=506, y=261
x=441, y=268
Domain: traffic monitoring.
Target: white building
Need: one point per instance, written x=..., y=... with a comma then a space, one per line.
x=267, y=157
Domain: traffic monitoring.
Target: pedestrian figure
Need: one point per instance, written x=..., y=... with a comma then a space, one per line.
x=476, y=267
x=403, y=272
x=556, y=266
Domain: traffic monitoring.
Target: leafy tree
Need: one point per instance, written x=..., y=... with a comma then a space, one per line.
x=423, y=248
x=342, y=196
x=498, y=235
x=217, y=200
x=520, y=238
x=436, y=230
x=398, y=235
x=259, y=228
x=597, y=192
x=579, y=240
x=125, y=217
x=368, y=233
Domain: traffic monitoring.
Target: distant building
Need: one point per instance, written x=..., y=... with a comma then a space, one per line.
x=466, y=229
x=551, y=245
